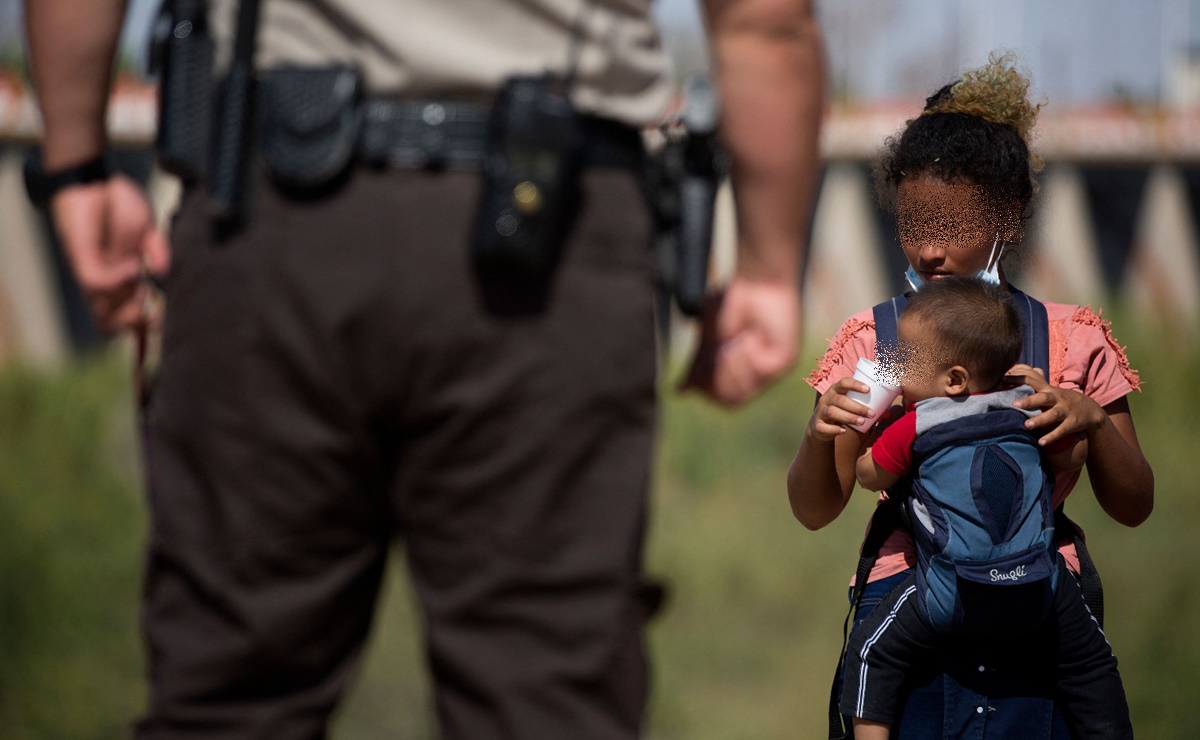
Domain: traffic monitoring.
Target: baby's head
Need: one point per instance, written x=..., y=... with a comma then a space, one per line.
x=958, y=335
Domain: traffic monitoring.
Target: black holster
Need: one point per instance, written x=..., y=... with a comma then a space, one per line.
x=683, y=181
x=683, y=178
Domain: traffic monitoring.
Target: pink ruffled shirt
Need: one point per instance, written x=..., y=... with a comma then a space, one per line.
x=1084, y=357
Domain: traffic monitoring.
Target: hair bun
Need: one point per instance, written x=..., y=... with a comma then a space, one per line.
x=995, y=92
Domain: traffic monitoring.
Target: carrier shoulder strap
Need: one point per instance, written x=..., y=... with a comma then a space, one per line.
x=1036, y=352
x=1089, y=577
x=887, y=316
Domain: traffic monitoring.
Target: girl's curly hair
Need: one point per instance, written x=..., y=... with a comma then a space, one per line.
x=977, y=129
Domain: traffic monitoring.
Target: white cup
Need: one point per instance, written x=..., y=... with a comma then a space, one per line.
x=881, y=395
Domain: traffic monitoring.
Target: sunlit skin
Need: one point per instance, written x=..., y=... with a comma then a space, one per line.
x=949, y=228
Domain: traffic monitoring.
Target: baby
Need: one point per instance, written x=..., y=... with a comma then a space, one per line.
x=976, y=487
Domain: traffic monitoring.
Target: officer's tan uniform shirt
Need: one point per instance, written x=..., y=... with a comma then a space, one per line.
x=464, y=48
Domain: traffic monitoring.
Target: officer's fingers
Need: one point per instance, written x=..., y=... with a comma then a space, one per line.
x=119, y=308
x=129, y=222
x=769, y=356
x=132, y=228
x=127, y=315
x=97, y=279
x=84, y=217
x=106, y=285
x=80, y=216
x=734, y=380
x=156, y=252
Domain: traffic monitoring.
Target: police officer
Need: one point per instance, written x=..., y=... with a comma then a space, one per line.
x=334, y=375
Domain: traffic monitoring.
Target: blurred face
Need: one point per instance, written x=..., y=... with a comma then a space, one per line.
x=949, y=228
x=923, y=372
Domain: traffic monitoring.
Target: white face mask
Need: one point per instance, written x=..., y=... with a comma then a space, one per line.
x=989, y=274
x=914, y=278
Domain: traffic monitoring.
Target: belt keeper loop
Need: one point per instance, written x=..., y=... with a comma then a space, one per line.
x=373, y=145
x=433, y=137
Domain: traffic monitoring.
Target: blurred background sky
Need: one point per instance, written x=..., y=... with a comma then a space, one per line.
x=1080, y=51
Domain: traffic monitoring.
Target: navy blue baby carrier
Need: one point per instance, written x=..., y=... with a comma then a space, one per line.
x=978, y=505
x=1009, y=515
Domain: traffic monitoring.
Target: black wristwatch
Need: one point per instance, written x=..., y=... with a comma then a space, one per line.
x=42, y=185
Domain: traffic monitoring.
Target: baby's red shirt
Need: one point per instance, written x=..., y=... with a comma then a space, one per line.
x=893, y=449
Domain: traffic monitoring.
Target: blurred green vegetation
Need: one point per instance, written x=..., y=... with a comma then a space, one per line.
x=744, y=649
x=70, y=530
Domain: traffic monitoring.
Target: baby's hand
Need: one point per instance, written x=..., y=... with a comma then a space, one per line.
x=887, y=417
x=835, y=413
x=1022, y=374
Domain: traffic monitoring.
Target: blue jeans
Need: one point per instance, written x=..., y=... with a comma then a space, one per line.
x=980, y=689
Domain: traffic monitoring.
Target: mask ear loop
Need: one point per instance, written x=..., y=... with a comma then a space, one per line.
x=993, y=257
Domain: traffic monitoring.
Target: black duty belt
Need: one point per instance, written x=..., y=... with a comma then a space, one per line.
x=315, y=122
x=452, y=135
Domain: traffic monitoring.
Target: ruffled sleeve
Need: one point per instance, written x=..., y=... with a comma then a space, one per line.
x=855, y=339
x=1093, y=362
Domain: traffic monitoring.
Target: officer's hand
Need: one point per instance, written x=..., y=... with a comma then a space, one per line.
x=748, y=338
x=109, y=237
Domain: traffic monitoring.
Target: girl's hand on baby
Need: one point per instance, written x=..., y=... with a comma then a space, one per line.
x=1063, y=411
x=835, y=413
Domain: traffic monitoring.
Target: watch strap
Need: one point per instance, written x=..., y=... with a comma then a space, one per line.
x=41, y=185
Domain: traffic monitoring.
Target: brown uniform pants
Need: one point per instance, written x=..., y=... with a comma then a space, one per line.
x=330, y=380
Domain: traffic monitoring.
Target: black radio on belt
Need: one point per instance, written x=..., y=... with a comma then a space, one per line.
x=530, y=179
x=182, y=50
